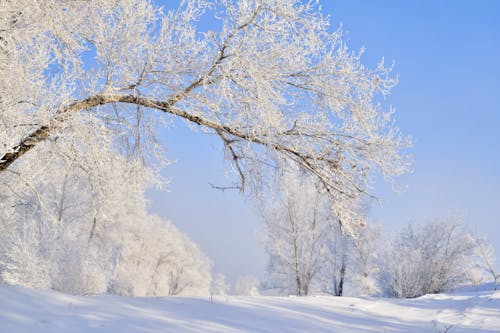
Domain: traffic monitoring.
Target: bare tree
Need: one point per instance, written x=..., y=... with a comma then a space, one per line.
x=272, y=84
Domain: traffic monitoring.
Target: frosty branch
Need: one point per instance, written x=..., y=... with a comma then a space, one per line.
x=302, y=157
x=274, y=84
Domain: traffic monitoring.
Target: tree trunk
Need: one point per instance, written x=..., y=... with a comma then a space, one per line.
x=340, y=289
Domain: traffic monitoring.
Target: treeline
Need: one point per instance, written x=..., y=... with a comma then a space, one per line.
x=311, y=253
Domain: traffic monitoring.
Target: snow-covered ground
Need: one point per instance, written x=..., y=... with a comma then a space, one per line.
x=24, y=310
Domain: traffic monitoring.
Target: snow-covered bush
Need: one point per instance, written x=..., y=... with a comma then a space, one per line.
x=427, y=259
x=143, y=257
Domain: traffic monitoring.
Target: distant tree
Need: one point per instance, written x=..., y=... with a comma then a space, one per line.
x=309, y=251
x=273, y=83
x=485, y=254
x=428, y=259
x=333, y=272
x=351, y=262
x=219, y=286
x=365, y=260
x=22, y=262
x=247, y=286
x=156, y=259
x=296, y=222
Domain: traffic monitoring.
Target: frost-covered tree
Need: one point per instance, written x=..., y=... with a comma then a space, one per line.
x=128, y=253
x=485, y=254
x=22, y=262
x=155, y=259
x=296, y=223
x=431, y=258
x=364, y=261
x=273, y=82
x=86, y=230
x=351, y=262
x=219, y=286
x=247, y=285
x=308, y=249
x=333, y=272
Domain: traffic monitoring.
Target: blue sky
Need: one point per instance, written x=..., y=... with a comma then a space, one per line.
x=447, y=56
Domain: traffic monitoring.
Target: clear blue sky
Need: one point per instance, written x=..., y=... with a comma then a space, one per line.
x=447, y=55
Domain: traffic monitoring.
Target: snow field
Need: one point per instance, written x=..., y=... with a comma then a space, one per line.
x=25, y=310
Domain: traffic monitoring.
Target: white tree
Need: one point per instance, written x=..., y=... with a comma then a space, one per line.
x=273, y=83
x=297, y=220
x=72, y=206
x=247, y=285
x=364, y=259
x=219, y=286
x=87, y=230
x=429, y=259
x=350, y=264
x=22, y=261
x=486, y=257
x=155, y=259
x=309, y=251
x=336, y=260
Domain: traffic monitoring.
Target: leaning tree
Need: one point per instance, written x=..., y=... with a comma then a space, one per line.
x=274, y=83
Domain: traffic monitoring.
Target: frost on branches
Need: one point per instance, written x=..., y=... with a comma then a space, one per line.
x=272, y=83
x=431, y=258
x=86, y=230
x=308, y=251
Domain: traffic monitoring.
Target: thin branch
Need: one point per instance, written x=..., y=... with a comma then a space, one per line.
x=43, y=132
x=234, y=156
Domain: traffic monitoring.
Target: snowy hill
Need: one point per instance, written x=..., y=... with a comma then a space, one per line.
x=24, y=310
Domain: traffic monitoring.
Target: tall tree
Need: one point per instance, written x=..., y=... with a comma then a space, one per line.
x=308, y=249
x=272, y=83
x=297, y=220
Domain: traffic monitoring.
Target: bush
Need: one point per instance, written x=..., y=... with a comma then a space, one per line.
x=429, y=259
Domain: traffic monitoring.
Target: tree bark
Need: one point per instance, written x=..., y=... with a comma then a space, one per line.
x=340, y=290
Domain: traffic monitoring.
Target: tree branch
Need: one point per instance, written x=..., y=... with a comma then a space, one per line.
x=43, y=132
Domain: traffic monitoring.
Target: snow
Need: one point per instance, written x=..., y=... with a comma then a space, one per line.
x=26, y=310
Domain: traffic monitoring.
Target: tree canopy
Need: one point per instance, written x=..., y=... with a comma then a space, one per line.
x=274, y=83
